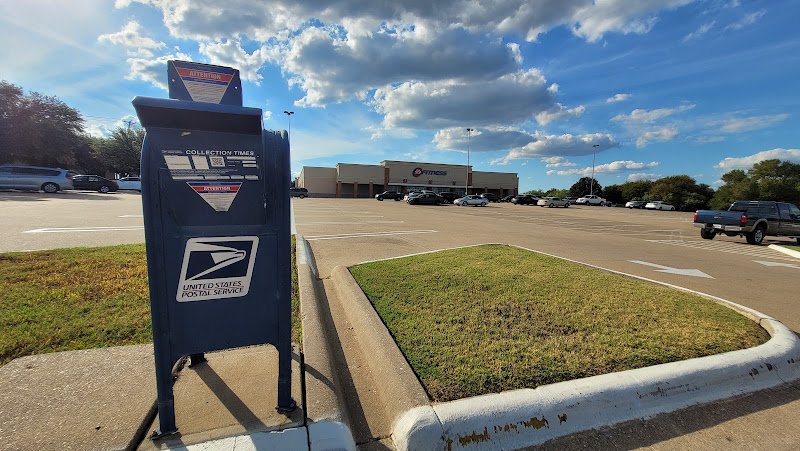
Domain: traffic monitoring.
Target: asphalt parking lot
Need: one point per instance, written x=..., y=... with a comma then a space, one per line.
x=662, y=246
x=34, y=221
x=658, y=245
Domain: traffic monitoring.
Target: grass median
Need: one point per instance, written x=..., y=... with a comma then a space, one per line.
x=486, y=319
x=81, y=298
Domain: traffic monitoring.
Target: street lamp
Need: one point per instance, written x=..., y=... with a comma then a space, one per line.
x=594, y=155
x=466, y=182
x=289, y=114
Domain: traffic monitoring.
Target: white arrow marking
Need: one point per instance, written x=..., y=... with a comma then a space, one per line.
x=788, y=265
x=667, y=269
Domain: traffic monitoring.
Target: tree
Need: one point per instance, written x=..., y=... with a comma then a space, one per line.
x=681, y=191
x=766, y=180
x=122, y=151
x=613, y=194
x=636, y=190
x=554, y=192
x=37, y=129
x=584, y=186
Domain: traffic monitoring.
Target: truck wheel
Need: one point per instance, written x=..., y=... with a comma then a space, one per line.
x=756, y=236
x=707, y=234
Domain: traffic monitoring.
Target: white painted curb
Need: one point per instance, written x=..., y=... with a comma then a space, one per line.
x=330, y=435
x=526, y=417
x=785, y=250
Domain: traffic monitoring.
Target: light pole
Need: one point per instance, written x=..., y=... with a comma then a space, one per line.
x=466, y=182
x=594, y=155
x=289, y=114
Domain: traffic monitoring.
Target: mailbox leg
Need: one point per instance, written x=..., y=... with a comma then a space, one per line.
x=285, y=402
x=166, y=399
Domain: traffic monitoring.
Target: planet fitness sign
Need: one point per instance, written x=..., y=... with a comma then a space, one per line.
x=419, y=171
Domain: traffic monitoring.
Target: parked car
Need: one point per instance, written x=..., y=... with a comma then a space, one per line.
x=524, y=199
x=449, y=196
x=426, y=199
x=752, y=219
x=389, y=195
x=133, y=183
x=49, y=180
x=635, y=204
x=491, y=197
x=507, y=198
x=298, y=192
x=472, y=199
x=658, y=205
x=413, y=193
x=571, y=200
x=591, y=199
x=552, y=202
x=94, y=183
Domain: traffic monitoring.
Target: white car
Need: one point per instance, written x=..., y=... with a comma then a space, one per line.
x=472, y=199
x=591, y=200
x=134, y=183
x=658, y=205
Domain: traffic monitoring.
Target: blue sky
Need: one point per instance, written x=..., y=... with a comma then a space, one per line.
x=662, y=87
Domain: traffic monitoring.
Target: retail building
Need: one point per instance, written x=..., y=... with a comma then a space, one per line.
x=365, y=180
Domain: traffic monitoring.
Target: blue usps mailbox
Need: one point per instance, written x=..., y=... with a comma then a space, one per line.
x=216, y=214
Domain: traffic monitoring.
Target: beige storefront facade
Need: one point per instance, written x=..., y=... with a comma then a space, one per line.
x=363, y=180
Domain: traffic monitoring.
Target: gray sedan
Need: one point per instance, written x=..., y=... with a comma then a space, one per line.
x=472, y=199
x=552, y=202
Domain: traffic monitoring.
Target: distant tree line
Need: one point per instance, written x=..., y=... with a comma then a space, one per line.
x=40, y=130
x=767, y=180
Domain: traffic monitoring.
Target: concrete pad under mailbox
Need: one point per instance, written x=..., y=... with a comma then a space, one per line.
x=234, y=393
x=88, y=399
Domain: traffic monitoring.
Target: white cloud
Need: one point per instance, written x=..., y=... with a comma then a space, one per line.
x=509, y=99
x=643, y=176
x=747, y=162
x=482, y=139
x=544, y=145
x=649, y=116
x=699, y=32
x=208, y=20
x=618, y=98
x=608, y=168
x=557, y=162
x=746, y=124
x=625, y=16
x=661, y=134
x=749, y=19
x=709, y=139
x=558, y=112
x=129, y=37
x=153, y=70
x=331, y=69
x=230, y=53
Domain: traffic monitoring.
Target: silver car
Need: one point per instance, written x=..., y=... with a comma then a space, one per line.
x=49, y=180
x=472, y=199
x=552, y=202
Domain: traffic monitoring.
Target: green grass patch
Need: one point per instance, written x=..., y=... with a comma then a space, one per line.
x=485, y=319
x=68, y=299
x=795, y=248
x=81, y=298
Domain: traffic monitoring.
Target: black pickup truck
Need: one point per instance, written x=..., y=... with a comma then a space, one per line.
x=752, y=219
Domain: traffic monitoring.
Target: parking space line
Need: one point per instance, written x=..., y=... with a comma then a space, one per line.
x=348, y=223
x=366, y=234
x=83, y=229
x=731, y=248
